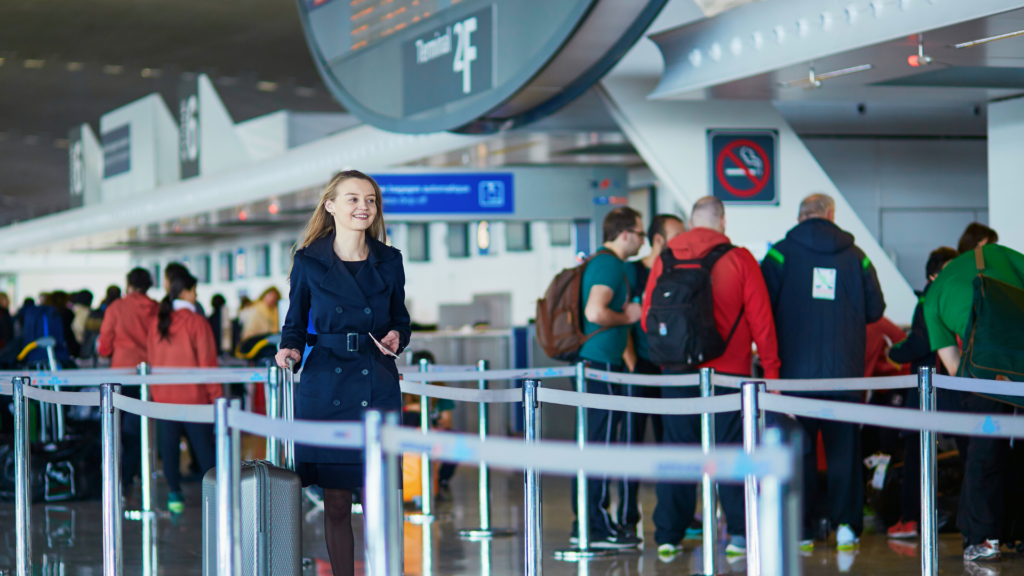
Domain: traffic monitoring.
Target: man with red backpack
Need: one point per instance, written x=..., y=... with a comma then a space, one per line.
x=705, y=305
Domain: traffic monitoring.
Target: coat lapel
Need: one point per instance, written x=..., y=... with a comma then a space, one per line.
x=337, y=280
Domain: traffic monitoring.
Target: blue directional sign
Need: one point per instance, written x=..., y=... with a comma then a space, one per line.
x=457, y=193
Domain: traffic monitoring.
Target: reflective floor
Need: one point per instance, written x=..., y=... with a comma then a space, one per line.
x=67, y=541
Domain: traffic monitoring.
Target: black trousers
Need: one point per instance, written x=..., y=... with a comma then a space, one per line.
x=678, y=502
x=845, y=474
x=910, y=494
x=201, y=437
x=602, y=430
x=980, y=516
x=131, y=449
x=633, y=430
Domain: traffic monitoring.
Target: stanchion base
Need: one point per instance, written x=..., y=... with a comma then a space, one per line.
x=419, y=518
x=574, y=554
x=482, y=534
x=142, y=514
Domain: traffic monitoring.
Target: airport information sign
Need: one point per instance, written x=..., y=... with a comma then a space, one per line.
x=458, y=193
x=417, y=66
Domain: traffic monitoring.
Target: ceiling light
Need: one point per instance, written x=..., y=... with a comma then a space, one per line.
x=264, y=86
x=151, y=73
x=814, y=80
x=919, y=59
x=973, y=43
x=113, y=69
x=34, y=63
x=73, y=66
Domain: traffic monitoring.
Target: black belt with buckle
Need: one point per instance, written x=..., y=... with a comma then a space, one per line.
x=351, y=342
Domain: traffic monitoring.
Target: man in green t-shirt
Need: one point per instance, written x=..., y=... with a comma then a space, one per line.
x=947, y=310
x=608, y=315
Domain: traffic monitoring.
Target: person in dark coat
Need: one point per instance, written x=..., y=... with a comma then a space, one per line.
x=916, y=350
x=824, y=293
x=349, y=285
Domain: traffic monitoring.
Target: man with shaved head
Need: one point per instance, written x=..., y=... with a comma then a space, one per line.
x=824, y=293
x=741, y=314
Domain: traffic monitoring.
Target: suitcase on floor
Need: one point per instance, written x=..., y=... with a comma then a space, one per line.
x=271, y=503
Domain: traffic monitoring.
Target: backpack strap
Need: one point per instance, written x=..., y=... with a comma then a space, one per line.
x=711, y=258
x=979, y=259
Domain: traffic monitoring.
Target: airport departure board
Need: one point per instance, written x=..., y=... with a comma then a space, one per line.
x=418, y=66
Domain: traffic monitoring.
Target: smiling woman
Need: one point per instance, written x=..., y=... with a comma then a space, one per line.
x=350, y=287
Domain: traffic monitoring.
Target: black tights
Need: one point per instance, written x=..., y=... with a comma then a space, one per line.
x=338, y=530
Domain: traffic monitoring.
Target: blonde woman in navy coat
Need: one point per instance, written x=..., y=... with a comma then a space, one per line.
x=348, y=284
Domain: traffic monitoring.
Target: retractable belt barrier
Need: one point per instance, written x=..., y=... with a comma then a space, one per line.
x=555, y=458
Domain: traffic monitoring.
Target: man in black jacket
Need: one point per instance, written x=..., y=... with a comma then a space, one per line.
x=824, y=293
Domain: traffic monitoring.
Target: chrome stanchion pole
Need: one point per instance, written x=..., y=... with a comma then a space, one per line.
x=110, y=430
x=582, y=550
x=484, y=531
x=427, y=498
x=57, y=409
x=375, y=508
x=751, y=438
x=229, y=559
x=709, y=489
x=22, y=481
x=772, y=524
x=146, y=442
x=394, y=505
x=534, y=542
x=929, y=517
x=272, y=390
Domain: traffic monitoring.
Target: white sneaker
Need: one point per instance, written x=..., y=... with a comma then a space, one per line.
x=669, y=550
x=845, y=539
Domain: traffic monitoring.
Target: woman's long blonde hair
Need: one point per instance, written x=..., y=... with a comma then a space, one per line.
x=321, y=224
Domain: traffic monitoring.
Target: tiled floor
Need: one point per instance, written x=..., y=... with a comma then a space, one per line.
x=67, y=541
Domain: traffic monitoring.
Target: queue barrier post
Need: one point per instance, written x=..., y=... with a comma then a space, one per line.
x=374, y=510
x=110, y=433
x=58, y=410
x=485, y=530
x=394, y=506
x=22, y=486
x=779, y=522
x=272, y=390
x=534, y=520
x=426, y=514
x=752, y=422
x=582, y=550
x=229, y=531
x=709, y=494
x=929, y=516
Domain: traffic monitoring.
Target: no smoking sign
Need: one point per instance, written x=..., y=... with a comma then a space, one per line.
x=744, y=166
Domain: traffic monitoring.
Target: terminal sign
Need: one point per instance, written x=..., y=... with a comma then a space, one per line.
x=478, y=193
x=743, y=167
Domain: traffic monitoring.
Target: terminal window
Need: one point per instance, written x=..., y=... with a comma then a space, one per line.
x=261, y=261
x=226, y=265
x=517, y=236
x=201, y=268
x=560, y=233
x=418, y=245
x=458, y=240
x=286, y=256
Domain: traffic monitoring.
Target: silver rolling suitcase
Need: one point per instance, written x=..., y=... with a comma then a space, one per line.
x=271, y=503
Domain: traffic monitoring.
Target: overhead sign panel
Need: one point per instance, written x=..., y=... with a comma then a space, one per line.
x=743, y=166
x=451, y=62
x=417, y=66
x=481, y=193
x=117, y=148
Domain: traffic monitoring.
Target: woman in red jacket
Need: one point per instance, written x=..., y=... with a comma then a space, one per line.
x=123, y=336
x=182, y=338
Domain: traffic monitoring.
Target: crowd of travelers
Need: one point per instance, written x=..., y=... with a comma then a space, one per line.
x=128, y=328
x=812, y=309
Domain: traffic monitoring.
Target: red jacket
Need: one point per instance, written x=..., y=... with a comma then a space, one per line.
x=876, y=363
x=737, y=284
x=189, y=344
x=125, y=330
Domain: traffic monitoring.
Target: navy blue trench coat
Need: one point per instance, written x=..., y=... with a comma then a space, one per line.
x=345, y=373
